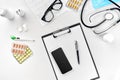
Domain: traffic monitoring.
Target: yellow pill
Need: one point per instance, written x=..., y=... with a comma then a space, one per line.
x=20, y=62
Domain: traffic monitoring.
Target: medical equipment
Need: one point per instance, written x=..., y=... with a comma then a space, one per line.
x=19, y=39
x=106, y=15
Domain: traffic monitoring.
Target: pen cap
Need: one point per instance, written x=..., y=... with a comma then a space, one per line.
x=5, y=13
x=76, y=45
x=20, y=12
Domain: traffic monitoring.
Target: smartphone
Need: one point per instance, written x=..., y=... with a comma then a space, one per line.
x=61, y=60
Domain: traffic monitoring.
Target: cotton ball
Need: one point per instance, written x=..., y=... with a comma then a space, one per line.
x=108, y=38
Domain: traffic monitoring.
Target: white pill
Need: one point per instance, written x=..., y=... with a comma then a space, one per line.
x=20, y=29
x=3, y=12
x=108, y=37
x=25, y=27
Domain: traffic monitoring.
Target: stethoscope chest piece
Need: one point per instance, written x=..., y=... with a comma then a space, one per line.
x=108, y=16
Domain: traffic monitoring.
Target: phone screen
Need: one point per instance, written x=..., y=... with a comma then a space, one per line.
x=61, y=60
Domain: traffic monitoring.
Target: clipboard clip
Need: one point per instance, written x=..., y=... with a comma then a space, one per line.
x=61, y=32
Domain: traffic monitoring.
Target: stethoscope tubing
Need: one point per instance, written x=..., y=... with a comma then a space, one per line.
x=94, y=26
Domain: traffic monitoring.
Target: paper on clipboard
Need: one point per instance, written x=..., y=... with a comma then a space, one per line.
x=87, y=69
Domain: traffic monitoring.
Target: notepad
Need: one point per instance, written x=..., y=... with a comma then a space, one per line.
x=65, y=38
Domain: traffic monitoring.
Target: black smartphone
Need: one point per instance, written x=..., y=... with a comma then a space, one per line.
x=61, y=60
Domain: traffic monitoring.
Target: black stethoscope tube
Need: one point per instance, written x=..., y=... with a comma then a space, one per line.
x=81, y=17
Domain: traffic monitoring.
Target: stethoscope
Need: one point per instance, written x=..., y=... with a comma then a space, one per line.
x=107, y=16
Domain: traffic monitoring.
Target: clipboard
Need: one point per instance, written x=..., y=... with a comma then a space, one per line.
x=64, y=38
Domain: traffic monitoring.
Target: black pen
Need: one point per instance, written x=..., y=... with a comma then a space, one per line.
x=77, y=51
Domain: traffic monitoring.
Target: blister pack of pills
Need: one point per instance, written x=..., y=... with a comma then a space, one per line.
x=21, y=52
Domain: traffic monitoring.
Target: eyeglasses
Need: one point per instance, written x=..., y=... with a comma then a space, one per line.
x=48, y=15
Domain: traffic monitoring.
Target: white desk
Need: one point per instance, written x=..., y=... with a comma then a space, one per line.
x=37, y=67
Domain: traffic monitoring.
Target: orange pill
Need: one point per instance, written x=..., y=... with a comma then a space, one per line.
x=22, y=52
x=22, y=46
x=13, y=45
x=13, y=50
x=18, y=45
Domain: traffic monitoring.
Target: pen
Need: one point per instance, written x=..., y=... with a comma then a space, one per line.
x=77, y=51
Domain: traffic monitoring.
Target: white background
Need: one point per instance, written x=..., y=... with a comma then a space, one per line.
x=37, y=67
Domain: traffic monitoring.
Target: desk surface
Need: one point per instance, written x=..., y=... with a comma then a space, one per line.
x=37, y=67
